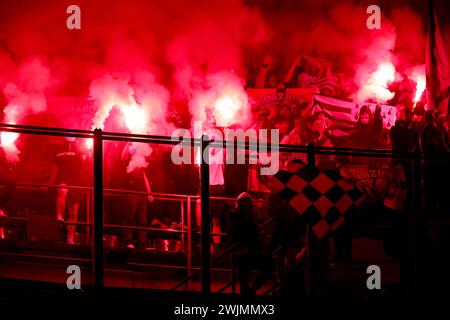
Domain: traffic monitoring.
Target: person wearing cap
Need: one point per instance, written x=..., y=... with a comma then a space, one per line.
x=243, y=231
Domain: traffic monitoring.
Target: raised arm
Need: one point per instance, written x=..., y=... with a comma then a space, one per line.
x=288, y=79
x=262, y=74
x=147, y=186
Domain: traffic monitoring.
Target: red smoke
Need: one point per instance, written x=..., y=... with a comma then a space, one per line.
x=142, y=102
x=25, y=93
x=130, y=55
x=145, y=56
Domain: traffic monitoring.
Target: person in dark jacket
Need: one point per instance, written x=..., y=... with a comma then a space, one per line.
x=431, y=138
x=369, y=128
x=136, y=207
x=243, y=232
x=416, y=125
x=288, y=240
x=435, y=170
x=402, y=139
x=67, y=171
x=368, y=133
x=317, y=132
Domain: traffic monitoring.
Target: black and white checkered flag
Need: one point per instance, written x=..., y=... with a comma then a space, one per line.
x=321, y=197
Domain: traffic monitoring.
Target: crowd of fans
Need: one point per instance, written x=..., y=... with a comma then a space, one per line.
x=305, y=125
x=415, y=130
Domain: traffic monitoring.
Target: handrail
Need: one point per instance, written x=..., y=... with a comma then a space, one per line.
x=25, y=220
x=185, y=198
x=99, y=137
x=52, y=186
x=225, y=287
x=161, y=230
x=157, y=195
x=43, y=128
x=230, y=283
x=113, y=136
x=217, y=143
x=107, y=226
x=200, y=270
x=85, y=260
x=275, y=254
x=271, y=289
x=223, y=253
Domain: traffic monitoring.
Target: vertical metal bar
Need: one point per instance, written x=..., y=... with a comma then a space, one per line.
x=97, y=246
x=189, y=238
x=88, y=216
x=309, y=281
x=233, y=272
x=182, y=222
x=308, y=260
x=415, y=231
x=311, y=154
x=206, y=221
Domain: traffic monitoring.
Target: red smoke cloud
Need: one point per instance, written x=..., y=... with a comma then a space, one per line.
x=336, y=31
x=130, y=55
x=155, y=55
x=25, y=94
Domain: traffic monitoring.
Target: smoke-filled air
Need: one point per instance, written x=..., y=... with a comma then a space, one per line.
x=166, y=64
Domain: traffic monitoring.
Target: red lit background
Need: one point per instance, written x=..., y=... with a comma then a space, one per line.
x=163, y=63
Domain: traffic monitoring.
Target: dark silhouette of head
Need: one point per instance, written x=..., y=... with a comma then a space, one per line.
x=429, y=117
x=365, y=116
x=244, y=202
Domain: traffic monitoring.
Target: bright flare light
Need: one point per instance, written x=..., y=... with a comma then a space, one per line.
x=226, y=110
x=89, y=143
x=420, y=88
x=376, y=86
x=385, y=73
x=8, y=139
x=380, y=79
x=135, y=118
x=417, y=74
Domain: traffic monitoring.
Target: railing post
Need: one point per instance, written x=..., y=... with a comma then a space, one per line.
x=311, y=155
x=189, y=238
x=309, y=282
x=416, y=232
x=97, y=246
x=309, y=277
x=206, y=221
x=88, y=216
x=233, y=272
x=182, y=222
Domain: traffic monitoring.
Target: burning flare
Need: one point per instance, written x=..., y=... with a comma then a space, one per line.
x=225, y=97
x=25, y=95
x=418, y=76
x=420, y=88
x=376, y=85
x=142, y=103
x=8, y=143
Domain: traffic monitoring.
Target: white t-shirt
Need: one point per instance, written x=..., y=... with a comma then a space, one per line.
x=216, y=167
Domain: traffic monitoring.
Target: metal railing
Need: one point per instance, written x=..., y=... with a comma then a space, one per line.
x=98, y=189
x=185, y=215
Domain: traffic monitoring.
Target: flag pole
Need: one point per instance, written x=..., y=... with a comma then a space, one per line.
x=431, y=58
